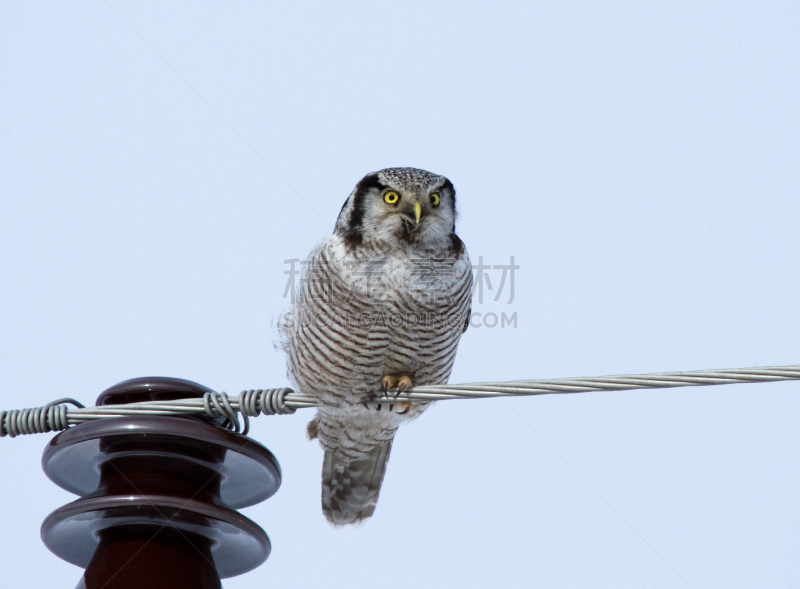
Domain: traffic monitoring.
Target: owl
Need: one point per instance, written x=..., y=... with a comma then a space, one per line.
x=381, y=307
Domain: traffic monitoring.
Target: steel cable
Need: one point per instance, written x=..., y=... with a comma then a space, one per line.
x=57, y=416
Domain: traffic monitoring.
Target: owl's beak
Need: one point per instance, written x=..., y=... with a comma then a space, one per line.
x=412, y=215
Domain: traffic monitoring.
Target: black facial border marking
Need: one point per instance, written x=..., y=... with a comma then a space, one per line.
x=456, y=245
x=353, y=233
x=447, y=185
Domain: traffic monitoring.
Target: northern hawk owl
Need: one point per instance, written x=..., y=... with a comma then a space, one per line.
x=382, y=305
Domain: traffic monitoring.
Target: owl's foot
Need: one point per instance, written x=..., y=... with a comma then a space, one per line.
x=403, y=383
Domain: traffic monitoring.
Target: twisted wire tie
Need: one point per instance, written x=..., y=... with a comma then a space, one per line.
x=56, y=416
x=252, y=402
x=50, y=418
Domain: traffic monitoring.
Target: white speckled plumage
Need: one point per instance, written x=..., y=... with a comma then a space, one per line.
x=387, y=294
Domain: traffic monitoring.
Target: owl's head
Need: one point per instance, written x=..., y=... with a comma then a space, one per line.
x=400, y=206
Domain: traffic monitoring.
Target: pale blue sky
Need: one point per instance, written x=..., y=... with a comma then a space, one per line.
x=160, y=160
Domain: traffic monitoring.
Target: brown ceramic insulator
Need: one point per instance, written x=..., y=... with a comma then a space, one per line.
x=158, y=495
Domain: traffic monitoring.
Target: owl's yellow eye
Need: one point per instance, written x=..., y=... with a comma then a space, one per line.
x=435, y=199
x=391, y=197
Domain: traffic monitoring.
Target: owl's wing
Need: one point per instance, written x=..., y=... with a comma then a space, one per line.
x=463, y=268
x=350, y=488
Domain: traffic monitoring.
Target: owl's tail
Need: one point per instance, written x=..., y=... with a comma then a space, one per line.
x=350, y=488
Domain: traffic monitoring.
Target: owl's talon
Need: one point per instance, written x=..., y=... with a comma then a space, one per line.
x=403, y=384
x=388, y=382
x=401, y=408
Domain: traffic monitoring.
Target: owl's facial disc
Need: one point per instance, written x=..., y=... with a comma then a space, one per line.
x=399, y=206
x=415, y=213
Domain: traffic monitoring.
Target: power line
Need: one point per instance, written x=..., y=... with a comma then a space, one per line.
x=57, y=415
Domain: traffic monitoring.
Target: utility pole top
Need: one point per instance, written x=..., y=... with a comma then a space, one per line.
x=158, y=495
